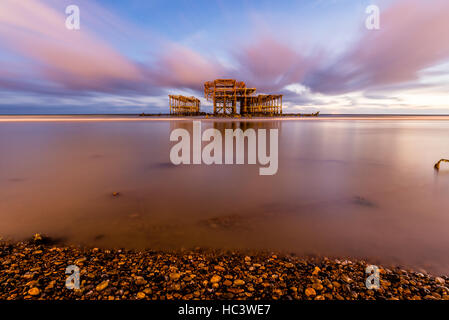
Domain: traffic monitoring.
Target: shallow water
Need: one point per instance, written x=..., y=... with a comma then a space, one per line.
x=359, y=187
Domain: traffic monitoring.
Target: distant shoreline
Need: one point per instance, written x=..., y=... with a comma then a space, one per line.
x=133, y=117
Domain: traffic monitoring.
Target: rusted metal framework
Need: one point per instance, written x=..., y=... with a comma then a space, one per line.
x=181, y=105
x=264, y=104
x=226, y=94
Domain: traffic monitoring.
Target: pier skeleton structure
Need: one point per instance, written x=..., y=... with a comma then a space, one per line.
x=227, y=94
x=182, y=105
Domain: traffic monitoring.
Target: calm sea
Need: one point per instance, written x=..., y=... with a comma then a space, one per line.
x=361, y=187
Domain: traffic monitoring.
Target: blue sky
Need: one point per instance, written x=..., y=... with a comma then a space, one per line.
x=129, y=55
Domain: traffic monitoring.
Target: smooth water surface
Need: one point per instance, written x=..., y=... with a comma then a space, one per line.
x=362, y=187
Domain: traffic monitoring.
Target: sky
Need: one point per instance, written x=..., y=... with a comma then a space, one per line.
x=128, y=56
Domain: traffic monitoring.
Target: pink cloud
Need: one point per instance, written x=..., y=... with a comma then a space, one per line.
x=80, y=61
x=73, y=59
x=270, y=64
x=264, y=63
x=413, y=35
x=182, y=67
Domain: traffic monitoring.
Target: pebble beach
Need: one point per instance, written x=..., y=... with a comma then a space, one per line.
x=35, y=269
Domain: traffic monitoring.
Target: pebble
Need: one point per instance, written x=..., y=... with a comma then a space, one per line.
x=318, y=286
x=174, y=276
x=34, y=291
x=140, y=281
x=102, y=285
x=215, y=279
x=310, y=292
x=346, y=278
x=227, y=283
x=239, y=282
x=219, y=268
x=440, y=280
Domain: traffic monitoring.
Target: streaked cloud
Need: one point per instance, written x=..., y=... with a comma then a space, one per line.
x=74, y=60
x=414, y=35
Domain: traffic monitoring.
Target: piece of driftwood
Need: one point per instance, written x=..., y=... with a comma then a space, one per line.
x=437, y=165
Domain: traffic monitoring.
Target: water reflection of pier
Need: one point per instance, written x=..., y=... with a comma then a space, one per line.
x=223, y=125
